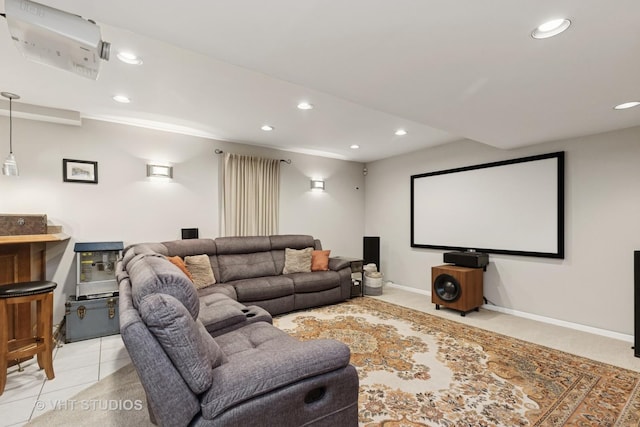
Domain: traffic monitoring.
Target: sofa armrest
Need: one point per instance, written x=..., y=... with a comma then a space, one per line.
x=336, y=264
x=256, y=373
x=219, y=317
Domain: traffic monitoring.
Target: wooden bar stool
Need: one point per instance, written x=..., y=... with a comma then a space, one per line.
x=41, y=344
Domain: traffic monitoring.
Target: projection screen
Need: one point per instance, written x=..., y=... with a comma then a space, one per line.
x=510, y=207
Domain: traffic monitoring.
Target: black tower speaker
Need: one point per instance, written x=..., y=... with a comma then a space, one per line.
x=636, y=303
x=371, y=251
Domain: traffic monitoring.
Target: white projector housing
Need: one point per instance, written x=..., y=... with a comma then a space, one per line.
x=56, y=38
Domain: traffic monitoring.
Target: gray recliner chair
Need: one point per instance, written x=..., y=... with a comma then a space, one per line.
x=253, y=374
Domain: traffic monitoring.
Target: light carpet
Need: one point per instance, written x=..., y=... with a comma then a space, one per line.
x=418, y=369
x=421, y=370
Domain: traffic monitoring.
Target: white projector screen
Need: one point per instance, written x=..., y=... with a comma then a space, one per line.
x=511, y=207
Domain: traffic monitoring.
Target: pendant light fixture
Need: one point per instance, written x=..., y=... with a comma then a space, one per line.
x=10, y=167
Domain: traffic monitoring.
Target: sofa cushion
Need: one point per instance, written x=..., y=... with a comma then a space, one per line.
x=200, y=269
x=151, y=274
x=245, y=266
x=297, y=260
x=219, y=288
x=218, y=311
x=263, y=288
x=320, y=260
x=261, y=359
x=315, y=282
x=218, y=300
x=192, y=350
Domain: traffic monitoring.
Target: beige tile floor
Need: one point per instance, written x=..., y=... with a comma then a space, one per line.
x=76, y=365
x=79, y=365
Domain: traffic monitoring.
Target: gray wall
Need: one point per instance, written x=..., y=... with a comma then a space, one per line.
x=592, y=286
x=126, y=205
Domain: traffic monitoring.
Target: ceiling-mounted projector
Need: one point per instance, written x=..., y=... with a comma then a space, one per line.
x=57, y=38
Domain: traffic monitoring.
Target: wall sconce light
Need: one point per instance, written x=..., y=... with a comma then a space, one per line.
x=317, y=184
x=159, y=171
x=10, y=166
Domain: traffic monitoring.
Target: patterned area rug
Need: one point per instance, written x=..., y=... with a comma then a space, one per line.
x=416, y=369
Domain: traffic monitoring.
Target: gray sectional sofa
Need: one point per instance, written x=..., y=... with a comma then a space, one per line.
x=205, y=358
x=249, y=270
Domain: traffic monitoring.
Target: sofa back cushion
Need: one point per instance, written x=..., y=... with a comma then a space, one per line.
x=245, y=266
x=192, y=350
x=131, y=251
x=243, y=257
x=153, y=273
x=292, y=241
x=242, y=245
x=162, y=381
x=189, y=247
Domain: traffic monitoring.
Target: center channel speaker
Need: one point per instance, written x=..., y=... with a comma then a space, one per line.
x=455, y=287
x=189, y=233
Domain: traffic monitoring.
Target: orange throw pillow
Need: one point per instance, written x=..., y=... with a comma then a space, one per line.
x=320, y=260
x=178, y=262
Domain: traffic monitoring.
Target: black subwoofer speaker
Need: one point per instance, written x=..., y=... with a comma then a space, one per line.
x=447, y=288
x=455, y=287
x=371, y=251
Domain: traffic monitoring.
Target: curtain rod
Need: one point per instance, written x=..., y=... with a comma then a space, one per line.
x=287, y=161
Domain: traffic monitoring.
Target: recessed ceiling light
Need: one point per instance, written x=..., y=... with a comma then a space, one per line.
x=401, y=132
x=551, y=28
x=129, y=58
x=626, y=105
x=122, y=99
x=305, y=106
x=354, y=146
x=267, y=128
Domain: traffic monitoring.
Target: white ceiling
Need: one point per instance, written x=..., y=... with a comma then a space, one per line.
x=441, y=69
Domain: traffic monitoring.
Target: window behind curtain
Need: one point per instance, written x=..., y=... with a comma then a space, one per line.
x=251, y=191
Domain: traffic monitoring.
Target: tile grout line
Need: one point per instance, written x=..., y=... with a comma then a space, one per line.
x=44, y=380
x=37, y=399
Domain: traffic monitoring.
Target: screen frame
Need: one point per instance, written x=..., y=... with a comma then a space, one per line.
x=559, y=253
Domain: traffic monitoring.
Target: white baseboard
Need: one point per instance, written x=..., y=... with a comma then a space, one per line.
x=543, y=319
x=408, y=289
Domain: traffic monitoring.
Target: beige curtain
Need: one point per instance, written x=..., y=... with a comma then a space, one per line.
x=251, y=192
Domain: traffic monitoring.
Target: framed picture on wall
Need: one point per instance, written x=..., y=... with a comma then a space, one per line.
x=79, y=171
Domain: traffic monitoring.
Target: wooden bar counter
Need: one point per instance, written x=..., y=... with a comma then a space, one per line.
x=23, y=259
